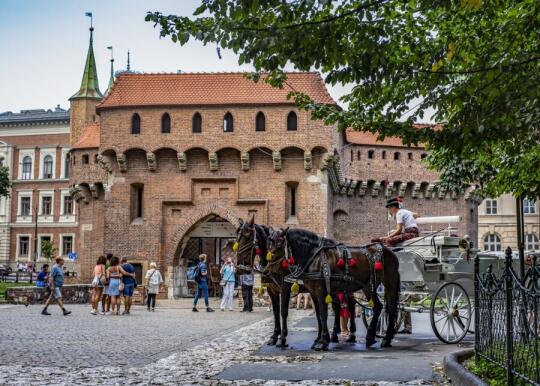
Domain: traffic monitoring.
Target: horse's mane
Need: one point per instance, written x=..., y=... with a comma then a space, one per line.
x=303, y=243
x=262, y=232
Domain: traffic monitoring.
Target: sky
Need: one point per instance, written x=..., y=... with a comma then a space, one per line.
x=44, y=43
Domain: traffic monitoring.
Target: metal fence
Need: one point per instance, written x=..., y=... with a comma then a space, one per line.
x=507, y=320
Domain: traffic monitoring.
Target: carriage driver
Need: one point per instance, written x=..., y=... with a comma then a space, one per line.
x=406, y=223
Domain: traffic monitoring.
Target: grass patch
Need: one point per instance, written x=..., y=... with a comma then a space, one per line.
x=489, y=372
x=5, y=285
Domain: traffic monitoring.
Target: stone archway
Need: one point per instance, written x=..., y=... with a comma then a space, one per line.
x=195, y=225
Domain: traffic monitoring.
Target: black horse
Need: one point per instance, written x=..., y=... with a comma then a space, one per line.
x=252, y=242
x=319, y=268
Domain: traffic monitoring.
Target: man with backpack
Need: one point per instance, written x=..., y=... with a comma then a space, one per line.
x=202, y=284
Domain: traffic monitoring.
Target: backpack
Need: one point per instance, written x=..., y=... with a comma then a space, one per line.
x=194, y=273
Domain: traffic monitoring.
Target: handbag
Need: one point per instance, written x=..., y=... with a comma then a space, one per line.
x=223, y=282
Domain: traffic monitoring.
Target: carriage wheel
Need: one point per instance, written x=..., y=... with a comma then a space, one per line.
x=382, y=326
x=450, y=313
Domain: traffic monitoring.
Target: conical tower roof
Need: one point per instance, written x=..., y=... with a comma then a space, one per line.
x=89, y=84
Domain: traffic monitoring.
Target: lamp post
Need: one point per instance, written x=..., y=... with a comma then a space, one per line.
x=35, y=243
x=520, y=235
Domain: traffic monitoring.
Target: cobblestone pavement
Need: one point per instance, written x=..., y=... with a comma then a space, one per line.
x=200, y=349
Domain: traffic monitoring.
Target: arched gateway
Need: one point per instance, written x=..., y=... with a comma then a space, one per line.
x=213, y=233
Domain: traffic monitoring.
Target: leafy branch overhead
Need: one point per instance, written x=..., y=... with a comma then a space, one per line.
x=472, y=64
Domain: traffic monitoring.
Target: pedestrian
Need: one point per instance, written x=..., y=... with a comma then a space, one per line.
x=56, y=281
x=228, y=282
x=106, y=299
x=100, y=277
x=153, y=280
x=246, y=281
x=116, y=285
x=306, y=297
x=43, y=276
x=129, y=284
x=202, y=284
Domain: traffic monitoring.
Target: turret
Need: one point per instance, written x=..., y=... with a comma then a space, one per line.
x=83, y=103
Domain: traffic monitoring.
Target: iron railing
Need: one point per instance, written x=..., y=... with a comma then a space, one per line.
x=507, y=320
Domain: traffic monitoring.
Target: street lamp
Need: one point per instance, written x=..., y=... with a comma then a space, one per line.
x=35, y=243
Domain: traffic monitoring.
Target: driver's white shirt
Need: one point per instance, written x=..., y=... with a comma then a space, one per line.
x=405, y=217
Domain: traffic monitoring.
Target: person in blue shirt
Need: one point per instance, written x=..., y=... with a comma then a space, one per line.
x=202, y=284
x=43, y=276
x=228, y=283
x=129, y=284
x=56, y=281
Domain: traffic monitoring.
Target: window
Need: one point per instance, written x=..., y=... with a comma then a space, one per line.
x=135, y=124
x=352, y=156
x=48, y=167
x=410, y=156
x=197, y=123
x=228, y=123
x=95, y=158
x=292, y=121
x=292, y=190
x=46, y=205
x=492, y=243
x=85, y=159
x=491, y=206
x=67, y=245
x=358, y=155
x=27, y=168
x=66, y=165
x=43, y=240
x=166, y=123
x=25, y=206
x=260, y=122
x=423, y=155
x=370, y=154
x=529, y=206
x=24, y=246
x=67, y=208
x=383, y=154
x=137, y=196
x=531, y=242
x=396, y=156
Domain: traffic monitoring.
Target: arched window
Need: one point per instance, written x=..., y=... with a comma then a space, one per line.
x=383, y=154
x=135, y=124
x=492, y=243
x=196, y=126
x=532, y=242
x=370, y=154
x=260, y=122
x=396, y=156
x=27, y=168
x=228, y=123
x=48, y=167
x=292, y=121
x=166, y=123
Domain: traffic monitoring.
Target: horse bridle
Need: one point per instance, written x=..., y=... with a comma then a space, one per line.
x=247, y=247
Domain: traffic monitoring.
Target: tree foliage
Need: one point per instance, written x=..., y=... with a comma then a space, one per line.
x=5, y=183
x=475, y=63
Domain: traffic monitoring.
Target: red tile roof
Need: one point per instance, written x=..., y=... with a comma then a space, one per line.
x=209, y=89
x=90, y=137
x=363, y=138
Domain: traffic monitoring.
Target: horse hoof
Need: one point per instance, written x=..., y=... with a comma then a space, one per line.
x=334, y=339
x=271, y=342
x=325, y=347
x=351, y=339
x=282, y=344
x=386, y=343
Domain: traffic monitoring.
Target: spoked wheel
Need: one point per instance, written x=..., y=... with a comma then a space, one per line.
x=451, y=313
x=382, y=326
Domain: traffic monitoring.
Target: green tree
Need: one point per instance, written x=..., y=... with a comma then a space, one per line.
x=473, y=64
x=48, y=250
x=5, y=183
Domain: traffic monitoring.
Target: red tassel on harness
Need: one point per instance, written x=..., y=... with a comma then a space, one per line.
x=340, y=297
x=291, y=260
x=257, y=251
x=284, y=264
x=377, y=266
x=341, y=263
x=352, y=263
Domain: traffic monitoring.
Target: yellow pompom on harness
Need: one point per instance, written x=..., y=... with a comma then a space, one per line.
x=269, y=256
x=328, y=299
x=235, y=247
x=295, y=287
